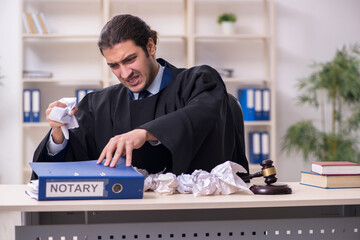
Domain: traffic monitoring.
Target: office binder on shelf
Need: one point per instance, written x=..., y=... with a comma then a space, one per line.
x=259, y=146
x=265, y=104
x=255, y=147
x=265, y=145
x=27, y=105
x=85, y=180
x=246, y=98
x=35, y=105
x=258, y=105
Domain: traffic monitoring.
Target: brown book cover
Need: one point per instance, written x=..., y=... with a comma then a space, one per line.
x=30, y=23
x=42, y=24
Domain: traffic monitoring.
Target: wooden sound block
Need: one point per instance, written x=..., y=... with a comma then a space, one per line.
x=272, y=189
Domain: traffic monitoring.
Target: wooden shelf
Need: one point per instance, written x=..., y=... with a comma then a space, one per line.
x=232, y=37
x=62, y=80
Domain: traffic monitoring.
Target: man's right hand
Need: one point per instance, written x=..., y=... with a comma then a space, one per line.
x=57, y=134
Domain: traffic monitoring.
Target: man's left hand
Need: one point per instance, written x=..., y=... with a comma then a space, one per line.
x=123, y=145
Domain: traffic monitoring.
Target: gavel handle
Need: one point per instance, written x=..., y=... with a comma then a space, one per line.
x=251, y=176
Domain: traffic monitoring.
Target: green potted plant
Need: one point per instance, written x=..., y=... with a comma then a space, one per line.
x=227, y=22
x=337, y=83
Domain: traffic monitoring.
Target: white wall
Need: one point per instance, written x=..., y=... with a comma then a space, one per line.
x=10, y=123
x=306, y=31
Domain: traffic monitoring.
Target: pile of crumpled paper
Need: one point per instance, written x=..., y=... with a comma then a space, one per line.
x=221, y=180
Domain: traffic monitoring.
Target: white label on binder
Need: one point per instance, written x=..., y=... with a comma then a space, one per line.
x=258, y=100
x=75, y=189
x=256, y=143
x=27, y=101
x=265, y=143
x=250, y=98
x=36, y=101
x=266, y=100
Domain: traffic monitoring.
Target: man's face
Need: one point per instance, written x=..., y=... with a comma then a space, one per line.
x=130, y=64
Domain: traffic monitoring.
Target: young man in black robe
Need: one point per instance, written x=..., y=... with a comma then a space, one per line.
x=185, y=123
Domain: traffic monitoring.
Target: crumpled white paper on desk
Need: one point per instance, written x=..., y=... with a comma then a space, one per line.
x=221, y=180
x=64, y=115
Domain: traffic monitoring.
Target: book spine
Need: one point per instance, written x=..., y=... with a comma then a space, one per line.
x=25, y=22
x=46, y=24
x=37, y=23
x=42, y=24
x=30, y=23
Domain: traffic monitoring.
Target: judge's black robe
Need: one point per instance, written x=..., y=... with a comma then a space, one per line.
x=191, y=117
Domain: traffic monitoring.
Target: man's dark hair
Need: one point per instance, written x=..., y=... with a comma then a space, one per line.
x=126, y=27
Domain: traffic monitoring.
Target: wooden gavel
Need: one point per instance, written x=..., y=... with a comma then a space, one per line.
x=268, y=171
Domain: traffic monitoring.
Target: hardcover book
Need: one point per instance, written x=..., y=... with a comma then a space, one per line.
x=335, y=168
x=330, y=181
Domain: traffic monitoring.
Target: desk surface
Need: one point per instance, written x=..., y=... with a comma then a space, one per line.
x=14, y=198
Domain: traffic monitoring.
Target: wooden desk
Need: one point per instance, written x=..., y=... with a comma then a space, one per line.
x=336, y=214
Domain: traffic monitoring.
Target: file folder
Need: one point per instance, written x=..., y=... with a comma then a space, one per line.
x=255, y=147
x=27, y=105
x=35, y=102
x=266, y=104
x=83, y=180
x=258, y=105
x=246, y=98
x=265, y=146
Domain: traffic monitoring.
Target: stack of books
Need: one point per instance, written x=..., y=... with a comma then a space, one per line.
x=332, y=175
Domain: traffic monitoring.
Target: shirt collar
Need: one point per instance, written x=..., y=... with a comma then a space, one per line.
x=154, y=88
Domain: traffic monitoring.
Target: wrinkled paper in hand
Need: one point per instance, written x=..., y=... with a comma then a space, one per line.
x=64, y=115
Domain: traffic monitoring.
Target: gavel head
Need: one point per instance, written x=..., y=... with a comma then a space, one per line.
x=268, y=171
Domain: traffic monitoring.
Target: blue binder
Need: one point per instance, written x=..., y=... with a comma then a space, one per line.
x=27, y=105
x=246, y=98
x=258, y=108
x=266, y=104
x=265, y=145
x=255, y=147
x=259, y=146
x=85, y=180
x=35, y=105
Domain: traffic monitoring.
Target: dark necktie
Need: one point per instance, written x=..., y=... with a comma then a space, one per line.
x=143, y=94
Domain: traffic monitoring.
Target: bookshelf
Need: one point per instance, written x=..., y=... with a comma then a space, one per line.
x=188, y=35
